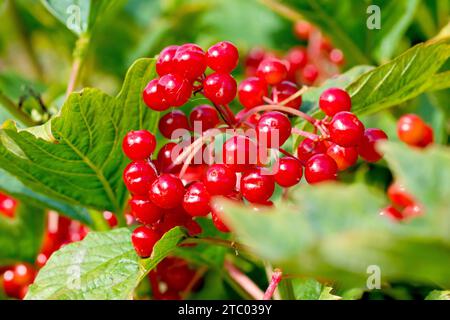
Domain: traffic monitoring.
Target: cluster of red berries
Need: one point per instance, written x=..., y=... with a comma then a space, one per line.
x=412, y=130
x=404, y=206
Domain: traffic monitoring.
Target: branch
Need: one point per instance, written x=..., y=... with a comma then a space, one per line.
x=15, y=111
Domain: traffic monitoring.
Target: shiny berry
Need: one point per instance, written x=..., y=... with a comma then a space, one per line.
x=144, y=239
x=334, y=100
x=172, y=121
x=303, y=29
x=138, y=177
x=399, y=196
x=220, y=179
x=178, y=276
x=139, y=145
x=20, y=276
x=428, y=137
x=366, y=148
x=166, y=157
x=239, y=153
x=308, y=148
x=310, y=73
x=110, y=218
x=411, y=129
x=205, y=115
x=153, y=96
x=337, y=57
x=289, y=172
x=257, y=187
x=220, y=88
x=175, y=89
x=222, y=57
x=344, y=157
x=272, y=71
x=216, y=212
x=412, y=211
x=251, y=92
x=254, y=57
x=167, y=191
x=196, y=200
x=165, y=62
x=284, y=90
x=190, y=61
x=273, y=129
x=144, y=210
x=319, y=168
x=7, y=205
x=392, y=213
x=346, y=130
x=297, y=58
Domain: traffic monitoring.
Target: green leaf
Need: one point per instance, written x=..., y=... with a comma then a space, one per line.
x=77, y=15
x=403, y=78
x=440, y=81
x=311, y=289
x=77, y=157
x=21, y=237
x=102, y=266
x=438, y=295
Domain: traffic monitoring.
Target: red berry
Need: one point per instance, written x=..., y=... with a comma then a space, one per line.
x=175, y=89
x=165, y=62
x=273, y=129
x=254, y=57
x=310, y=73
x=7, y=205
x=303, y=29
x=272, y=71
x=196, y=200
x=284, y=90
x=252, y=120
x=222, y=57
x=392, y=213
x=139, y=145
x=217, y=221
x=399, y=196
x=110, y=218
x=412, y=211
x=153, y=96
x=428, y=137
x=334, y=100
x=252, y=91
x=411, y=129
x=138, y=176
x=366, y=148
x=220, y=179
x=172, y=121
x=144, y=239
x=344, y=157
x=205, y=115
x=18, y=277
x=239, y=153
x=220, y=88
x=289, y=172
x=337, y=57
x=297, y=58
x=190, y=61
x=177, y=277
x=167, y=191
x=319, y=168
x=144, y=210
x=257, y=187
x=308, y=148
x=346, y=130
x=166, y=157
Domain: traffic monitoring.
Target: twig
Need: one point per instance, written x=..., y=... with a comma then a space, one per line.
x=276, y=278
x=79, y=54
x=282, y=10
x=16, y=111
x=305, y=134
x=244, y=281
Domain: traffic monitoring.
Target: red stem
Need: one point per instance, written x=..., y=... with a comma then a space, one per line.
x=276, y=278
x=306, y=134
x=275, y=107
x=245, y=282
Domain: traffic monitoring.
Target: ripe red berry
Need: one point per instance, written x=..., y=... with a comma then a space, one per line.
x=366, y=148
x=284, y=90
x=334, y=100
x=222, y=57
x=297, y=58
x=172, y=121
x=251, y=92
x=303, y=29
x=217, y=221
x=153, y=96
x=273, y=129
x=392, y=213
x=139, y=145
x=319, y=168
x=196, y=200
x=254, y=57
x=399, y=196
x=165, y=62
x=110, y=218
x=239, y=153
x=14, y=280
x=175, y=89
x=308, y=148
x=167, y=191
x=346, y=130
x=272, y=71
x=289, y=172
x=428, y=137
x=220, y=88
x=344, y=157
x=144, y=210
x=166, y=157
x=144, y=239
x=411, y=129
x=310, y=73
x=220, y=179
x=7, y=205
x=257, y=187
x=138, y=176
x=178, y=276
x=190, y=61
x=205, y=115
x=337, y=57
x=412, y=211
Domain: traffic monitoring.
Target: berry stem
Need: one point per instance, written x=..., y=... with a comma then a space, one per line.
x=245, y=282
x=230, y=114
x=276, y=107
x=301, y=91
x=219, y=242
x=306, y=134
x=197, y=277
x=276, y=278
x=79, y=54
